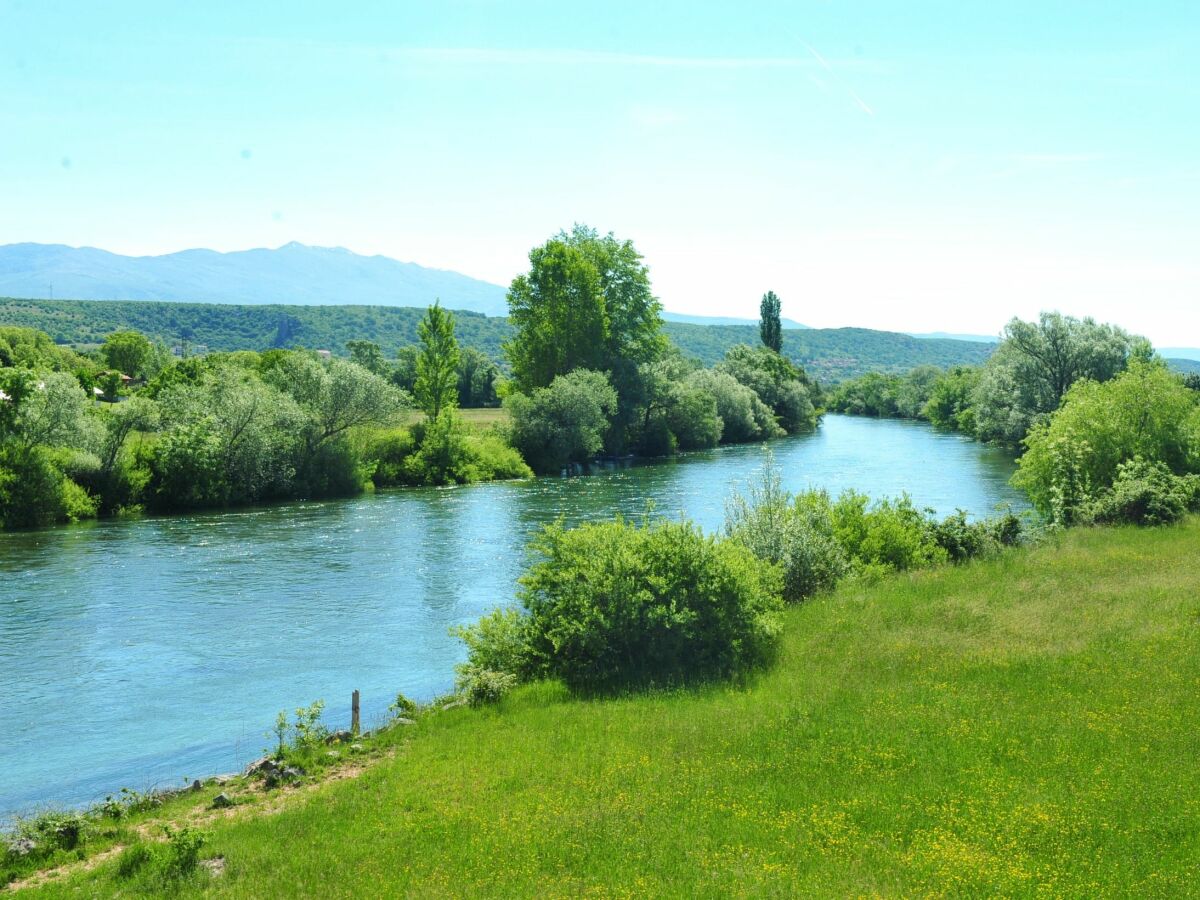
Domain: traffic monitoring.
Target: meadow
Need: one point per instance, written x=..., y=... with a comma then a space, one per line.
x=1025, y=725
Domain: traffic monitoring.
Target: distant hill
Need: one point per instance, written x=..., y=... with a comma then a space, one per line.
x=292, y=274
x=723, y=320
x=831, y=354
x=1192, y=353
x=1186, y=366
x=947, y=336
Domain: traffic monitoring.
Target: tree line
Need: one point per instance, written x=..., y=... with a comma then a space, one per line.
x=587, y=371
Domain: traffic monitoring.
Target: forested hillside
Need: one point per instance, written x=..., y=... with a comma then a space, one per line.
x=832, y=354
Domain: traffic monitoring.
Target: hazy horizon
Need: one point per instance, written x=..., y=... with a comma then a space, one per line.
x=916, y=168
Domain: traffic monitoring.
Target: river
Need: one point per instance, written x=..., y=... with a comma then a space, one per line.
x=140, y=651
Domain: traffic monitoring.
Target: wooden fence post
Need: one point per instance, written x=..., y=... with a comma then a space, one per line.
x=354, y=724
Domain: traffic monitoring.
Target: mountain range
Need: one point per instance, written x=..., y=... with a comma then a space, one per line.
x=294, y=274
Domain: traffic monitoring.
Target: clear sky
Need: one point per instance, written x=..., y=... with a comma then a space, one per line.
x=908, y=165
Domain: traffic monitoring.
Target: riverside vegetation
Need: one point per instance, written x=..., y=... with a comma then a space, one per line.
x=829, y=692
x=588, y=371
x=1014, y=725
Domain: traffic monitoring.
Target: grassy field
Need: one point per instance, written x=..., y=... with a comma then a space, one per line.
x=1025, y=726
x=480, y=419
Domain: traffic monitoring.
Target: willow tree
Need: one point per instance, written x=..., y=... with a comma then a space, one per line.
x=436, y=384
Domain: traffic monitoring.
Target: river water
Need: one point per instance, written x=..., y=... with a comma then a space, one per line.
x=142, y=651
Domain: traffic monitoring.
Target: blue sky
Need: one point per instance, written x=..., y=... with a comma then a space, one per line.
x=907, y=165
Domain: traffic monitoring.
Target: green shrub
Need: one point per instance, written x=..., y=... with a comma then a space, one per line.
x=562, y=423
x=795, y=533
x=1143, y=493
x=483, y=686
x=498, y=642
x=386, y=453
x=134, y=859
x=184, y=846
x=34, y=491
x=890, y=534
x=613, y=604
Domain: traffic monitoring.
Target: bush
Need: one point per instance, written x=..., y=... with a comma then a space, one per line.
x=1075, y=456
x=1143, y=493
x=890, y=534
x=35, y=492
x=613, y=604
x=483, y=686
x=794, y=533
x=498, y=642
x=744, y=417
x=184, y=846
x=562, y=423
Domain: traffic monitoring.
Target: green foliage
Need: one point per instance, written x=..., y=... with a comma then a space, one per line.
x=183, y=849
x=769, y=327
x=562, y=423
x=584, y=304
x=951, y=398
x=1144, y=412
x=613, y=604
x=779, y=384
x=885, y=535
x=744, y=417
x=497, y=642
x=306, y=733
x=482, y=686
x=402, y=706
x=436, y=384
x=369, y=355
x=794, y=533
x=478, y=377
x=1037, y=363
x=1143, y=493
x=888, y=396
x=127, y=351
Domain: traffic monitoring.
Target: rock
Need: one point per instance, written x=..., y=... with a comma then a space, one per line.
x=333, y=754
x=222, y=780
x=401, y=720
x=196, y=785
x=215, y=866
x=454, y=704
x=264, y=766
x=291, y=772
x=339, y=737
x=356, y=746
x=22, y=846
x=221, y=801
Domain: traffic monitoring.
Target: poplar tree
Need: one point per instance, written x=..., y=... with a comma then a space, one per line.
x=769, y=326
x=436, y=385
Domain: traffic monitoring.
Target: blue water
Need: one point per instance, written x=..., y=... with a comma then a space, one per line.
x=144, y=651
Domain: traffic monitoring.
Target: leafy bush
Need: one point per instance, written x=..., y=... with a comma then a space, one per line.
x=612, y=604
x=744, y=417
x=483, y=686
x=1143, y=493
x=892, y=534
x=779, y=384
x=184, y=846
x=795, y=533
x=562, y=423
x=498, y=642
x=1075, y=455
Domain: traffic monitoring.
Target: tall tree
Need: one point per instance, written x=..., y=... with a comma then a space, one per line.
x=769, y=325
x=584, y=304
x=436, y=386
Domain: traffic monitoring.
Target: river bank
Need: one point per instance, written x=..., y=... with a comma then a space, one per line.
x=985, y=727
x=158, y=648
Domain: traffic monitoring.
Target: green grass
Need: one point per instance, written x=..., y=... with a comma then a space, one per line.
x=479, y=419
x=1023, y=726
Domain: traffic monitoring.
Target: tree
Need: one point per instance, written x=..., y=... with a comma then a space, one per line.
x=369, y=355
x=781, y=385
x=127, y=352
x=585, y=304
x=1074, y=454
x=477, y=376
x=769, y=326
x=1038, y=362
x=436, y=386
